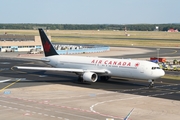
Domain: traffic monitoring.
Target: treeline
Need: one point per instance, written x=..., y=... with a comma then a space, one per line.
x=133, y=27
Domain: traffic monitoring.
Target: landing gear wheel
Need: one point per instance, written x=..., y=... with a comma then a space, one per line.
x=104, y=78
x=151, y=84
x=80, y=79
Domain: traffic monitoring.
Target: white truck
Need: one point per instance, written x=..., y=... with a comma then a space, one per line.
x=35, y=51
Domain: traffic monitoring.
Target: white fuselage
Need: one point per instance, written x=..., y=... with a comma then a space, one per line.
x=127, y=68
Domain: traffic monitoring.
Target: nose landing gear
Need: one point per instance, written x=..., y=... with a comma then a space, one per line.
x=151, y=83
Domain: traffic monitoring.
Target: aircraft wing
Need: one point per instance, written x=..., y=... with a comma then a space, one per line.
x=62, y=69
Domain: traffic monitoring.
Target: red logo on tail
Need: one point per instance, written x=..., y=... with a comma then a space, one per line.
x=46, y=46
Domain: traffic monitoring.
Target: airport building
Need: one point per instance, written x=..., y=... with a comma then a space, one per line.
x=11, y=42
x=32, y=44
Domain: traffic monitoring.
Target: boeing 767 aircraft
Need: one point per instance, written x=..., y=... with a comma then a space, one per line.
x=91, y=68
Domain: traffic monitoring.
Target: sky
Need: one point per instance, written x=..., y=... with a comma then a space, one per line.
x=90, y=11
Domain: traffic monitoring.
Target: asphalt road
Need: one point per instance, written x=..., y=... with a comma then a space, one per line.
x=33, y=95
x=162, y=52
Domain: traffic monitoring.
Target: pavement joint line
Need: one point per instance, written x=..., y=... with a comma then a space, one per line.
x=12, y=108
x=10, y=85
x=130, y=90
x=28, y=111
x=76, y=115
x=67, y=107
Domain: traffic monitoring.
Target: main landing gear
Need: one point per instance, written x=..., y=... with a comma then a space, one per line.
x=80, y=79
x=151, y=83
x=104, y=78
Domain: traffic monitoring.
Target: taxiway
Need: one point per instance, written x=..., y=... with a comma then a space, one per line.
x=33, y=95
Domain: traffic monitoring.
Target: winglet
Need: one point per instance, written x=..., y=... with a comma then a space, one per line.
x=47, y=46
x=126, y=118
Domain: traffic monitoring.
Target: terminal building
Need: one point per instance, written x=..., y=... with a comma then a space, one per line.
x=11, y=42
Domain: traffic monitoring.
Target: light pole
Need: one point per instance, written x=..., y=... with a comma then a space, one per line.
x=158, y=53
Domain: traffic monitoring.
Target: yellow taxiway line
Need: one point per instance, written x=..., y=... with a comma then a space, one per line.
x=10, y=85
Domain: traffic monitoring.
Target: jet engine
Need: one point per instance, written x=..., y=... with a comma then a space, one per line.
x=90, y=77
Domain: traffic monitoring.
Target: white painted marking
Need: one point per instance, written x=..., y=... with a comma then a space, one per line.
x=38, y=108
x=175, y=88
x=5, y=110
x=92, y=107
x=14, y=103
x=42, y=75
x=2, y=81
x=109, y=119
x=5, y=63
x=76, y=115
x=34, y=112
x=47, y=109
x=40, y=113
x=27, y=114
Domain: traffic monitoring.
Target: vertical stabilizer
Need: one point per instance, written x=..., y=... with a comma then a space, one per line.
x=47, y=46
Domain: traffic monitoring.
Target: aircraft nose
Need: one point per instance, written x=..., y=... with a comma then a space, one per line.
x=162, y=73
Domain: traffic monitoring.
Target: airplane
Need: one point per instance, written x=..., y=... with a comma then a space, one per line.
x=90, y=69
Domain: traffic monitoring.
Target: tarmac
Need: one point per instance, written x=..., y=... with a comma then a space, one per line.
x=114, y=51
x=33, y=95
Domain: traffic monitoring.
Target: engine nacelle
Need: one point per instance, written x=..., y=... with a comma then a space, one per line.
x=90, y=77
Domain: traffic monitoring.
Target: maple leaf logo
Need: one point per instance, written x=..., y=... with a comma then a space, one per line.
x=46, y=46
x=137, y=64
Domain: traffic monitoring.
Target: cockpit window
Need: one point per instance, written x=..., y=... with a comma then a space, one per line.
x=154, y=68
